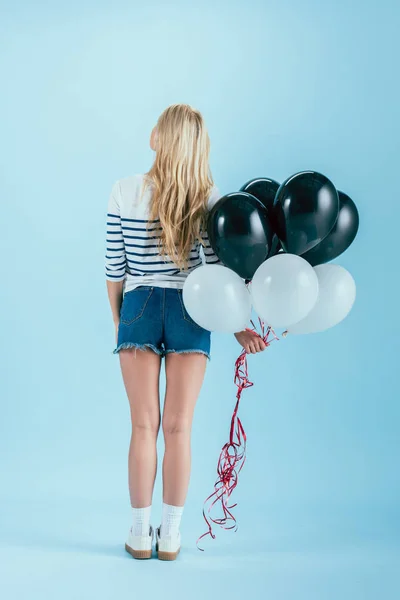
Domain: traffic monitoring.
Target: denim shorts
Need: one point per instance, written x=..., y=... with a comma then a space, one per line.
x=156, y=318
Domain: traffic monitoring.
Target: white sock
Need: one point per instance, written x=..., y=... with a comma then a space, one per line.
x=141, y=520
x=171, y=520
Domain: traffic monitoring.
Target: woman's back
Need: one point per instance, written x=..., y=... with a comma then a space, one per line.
x=132, y=253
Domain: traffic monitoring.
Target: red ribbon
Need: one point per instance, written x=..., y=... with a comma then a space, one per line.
x=233, y=453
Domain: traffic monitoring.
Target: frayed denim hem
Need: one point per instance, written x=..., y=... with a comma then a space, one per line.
x=137, y=347
x=189, y=352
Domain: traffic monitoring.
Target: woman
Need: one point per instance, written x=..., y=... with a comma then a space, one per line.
x=156, y=224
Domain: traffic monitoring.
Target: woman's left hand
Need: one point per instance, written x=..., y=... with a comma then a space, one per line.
x=251, y=342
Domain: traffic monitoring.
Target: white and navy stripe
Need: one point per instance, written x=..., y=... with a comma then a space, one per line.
x=115, y=249
x=132, y=244
x=209, y=254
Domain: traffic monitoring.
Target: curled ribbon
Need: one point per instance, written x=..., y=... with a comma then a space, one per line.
x=233, y=453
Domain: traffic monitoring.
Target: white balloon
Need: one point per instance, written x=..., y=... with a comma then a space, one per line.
x=284, y=289
x=337, y=293
x=217, y=299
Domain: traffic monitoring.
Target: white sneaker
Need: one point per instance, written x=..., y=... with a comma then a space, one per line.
x=140, y=546
x=168, y=547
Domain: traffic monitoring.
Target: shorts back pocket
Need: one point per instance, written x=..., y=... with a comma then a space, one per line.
x=134, y=304
x=185, y=313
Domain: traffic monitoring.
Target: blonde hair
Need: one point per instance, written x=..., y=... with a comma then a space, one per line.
x=181, y=181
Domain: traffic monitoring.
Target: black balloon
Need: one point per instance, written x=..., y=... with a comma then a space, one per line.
x=262, y=188
x=341, y=235
x=305, y=210
x=240, y=233
x=265, y=190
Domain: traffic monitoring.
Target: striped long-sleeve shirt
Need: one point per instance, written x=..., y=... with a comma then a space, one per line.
x=132, y=251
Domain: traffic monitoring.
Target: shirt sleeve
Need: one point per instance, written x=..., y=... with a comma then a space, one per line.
x=209, y=254
x=115, y=258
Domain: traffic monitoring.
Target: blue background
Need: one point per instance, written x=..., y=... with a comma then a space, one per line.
x=283, y=86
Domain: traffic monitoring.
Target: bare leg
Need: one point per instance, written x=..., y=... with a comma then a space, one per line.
x=141, y=372
x=184, y=374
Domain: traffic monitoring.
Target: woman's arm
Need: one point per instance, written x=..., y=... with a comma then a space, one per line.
x=115, y=258
x=251, y=342
x=114, y=290
x=209, y=255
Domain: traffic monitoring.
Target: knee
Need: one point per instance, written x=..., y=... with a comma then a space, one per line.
x=145, y=427
x=175, y=425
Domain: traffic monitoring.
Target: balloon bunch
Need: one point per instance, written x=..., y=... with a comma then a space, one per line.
x=274, y=242
x=278, y=239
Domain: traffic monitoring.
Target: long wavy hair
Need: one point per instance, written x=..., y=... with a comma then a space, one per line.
x=181, y=181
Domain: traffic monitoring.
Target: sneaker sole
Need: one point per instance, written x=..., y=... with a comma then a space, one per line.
x=140, y=554
x=162, y=555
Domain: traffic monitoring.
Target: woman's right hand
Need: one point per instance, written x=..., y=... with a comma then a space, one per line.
x=116, y=324
x=251, y=342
